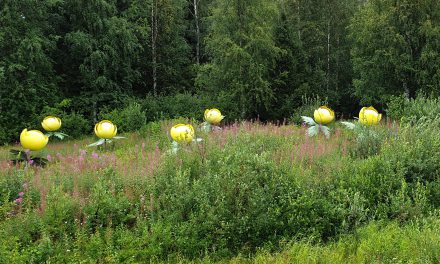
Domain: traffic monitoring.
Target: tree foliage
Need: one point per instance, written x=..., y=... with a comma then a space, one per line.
x=252, y=58
x=396, y=49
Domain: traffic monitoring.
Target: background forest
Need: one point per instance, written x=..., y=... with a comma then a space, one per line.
x=144, y=60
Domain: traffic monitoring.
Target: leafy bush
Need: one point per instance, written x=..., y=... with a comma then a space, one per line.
x=416, y=152
x=130, y=118
x=73, y=124
x=179, y=105
x=308, y=107
x=413, y=111
x=368, y=141
x=237, y=198
x=108, y=206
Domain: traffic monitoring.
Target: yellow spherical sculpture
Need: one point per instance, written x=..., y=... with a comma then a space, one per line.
x=51, y=123
x=33, y=139
x=369, y=116
x=182, y=133
x=324, y=115
x=213, y=116
x=105, y=129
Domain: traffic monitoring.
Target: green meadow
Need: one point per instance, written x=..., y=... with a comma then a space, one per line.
x=248, y=193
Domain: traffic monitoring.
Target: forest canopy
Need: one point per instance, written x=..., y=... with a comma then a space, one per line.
x=85, y=59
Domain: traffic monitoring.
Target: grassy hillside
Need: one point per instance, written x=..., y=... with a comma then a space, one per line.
x=249, y=193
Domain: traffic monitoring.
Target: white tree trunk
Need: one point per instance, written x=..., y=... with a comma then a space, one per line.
x=196, y=18
x=328, y=55
x=154, y=33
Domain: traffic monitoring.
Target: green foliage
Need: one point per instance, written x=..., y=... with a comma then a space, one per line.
x=28, y=80
x=375, y=243
x=369, y=139
x=242, y=51
x=308, y=107
x=235, y=193
x=179, y=105
x=413, y=111
x=61, y=215
x=392, y=45
x=419, y=162
x=108, y=206
x=130, y=118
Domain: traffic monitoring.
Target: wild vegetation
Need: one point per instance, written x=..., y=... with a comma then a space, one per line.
x=260, y=181
x=242, y=194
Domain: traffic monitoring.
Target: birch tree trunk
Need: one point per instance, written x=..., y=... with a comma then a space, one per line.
x=328, y=55
x=196, y=18
x=154, y=33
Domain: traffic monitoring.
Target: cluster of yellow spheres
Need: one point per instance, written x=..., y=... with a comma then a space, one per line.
x=367, y=116
x=35, y=140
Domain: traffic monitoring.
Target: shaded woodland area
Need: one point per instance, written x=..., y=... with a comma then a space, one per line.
x=82, y=59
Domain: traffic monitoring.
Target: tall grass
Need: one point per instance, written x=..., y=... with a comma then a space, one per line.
x=247, y=189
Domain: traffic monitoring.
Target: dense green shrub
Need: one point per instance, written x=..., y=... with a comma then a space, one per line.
x=73, y=124
x=368, y=140
x=174, y=106
x=236, y=198
x=130, y=118
x=413, y=111
x=308, y=107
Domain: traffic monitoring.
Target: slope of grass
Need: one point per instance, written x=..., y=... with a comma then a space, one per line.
x=247, y=190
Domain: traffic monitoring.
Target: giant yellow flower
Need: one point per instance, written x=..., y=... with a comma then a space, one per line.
x=105, y=129
x=51, y=123
x=213, y=116
x=369, y=116
x=182, y=133
x=324, y=115
x=33, y=139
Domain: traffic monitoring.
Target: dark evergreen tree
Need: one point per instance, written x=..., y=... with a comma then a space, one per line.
x=242, y=51
x=27, y=78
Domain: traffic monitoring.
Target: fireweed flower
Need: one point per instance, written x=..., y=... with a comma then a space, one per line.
x=182, y=133
x=31, y=162
x=324, y=115
x=213, y=116
x=106, y=129
x=51, y=123
x=49, y=157
x=21, y=194
x=33, y=140
x=369, y=116
x=19, y=200
x=95, y=155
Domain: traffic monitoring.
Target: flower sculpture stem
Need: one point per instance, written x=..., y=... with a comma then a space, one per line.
x=20, y=156
x=106, y=131
x=314, y=128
